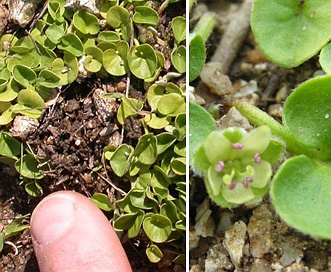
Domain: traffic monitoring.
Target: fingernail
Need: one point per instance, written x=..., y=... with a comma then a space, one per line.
x=51, y=218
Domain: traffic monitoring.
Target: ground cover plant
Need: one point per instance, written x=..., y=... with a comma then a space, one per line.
x=288, y=33
x=131, y=55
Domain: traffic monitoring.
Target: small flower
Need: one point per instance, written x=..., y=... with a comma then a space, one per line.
x=234, y=171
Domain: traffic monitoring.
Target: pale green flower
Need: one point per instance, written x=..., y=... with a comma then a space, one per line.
x=233, y=165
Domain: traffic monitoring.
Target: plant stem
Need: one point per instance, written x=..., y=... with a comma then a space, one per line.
x=258, y=117
x=191, y=4
x=205, y=25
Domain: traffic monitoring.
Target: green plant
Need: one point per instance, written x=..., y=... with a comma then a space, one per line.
x=15, y=227
x=300, y=190
x=157, y=167
x=235, y=165
x=198, y=39
x=290, y=32
x=65, y=46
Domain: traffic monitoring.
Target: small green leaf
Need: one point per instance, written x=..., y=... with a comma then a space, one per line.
x=115, y=60
x=171, y=104
x=156, y=122
x=86, y=23
x=120, y=160
x=201, y=125
x=30, y=99
x=307, y=114
x=15, y=227
x=9, y=146
x=154, y=254
x=129, y=107
x=300, y=193
x=48, y=79
x=56, y=31
x=146, y=150
x=34, y=189
x=142, y=61
x=178, y=59
x=71, y=43
x=157, y=227
x=164, y=141
x=24, y=75
x=145, y=15
x=102, y=201
x=108, y=36
x=178, y=165
x=179, y=28
x=118, y=17
x=28, y=167
x=197, y=57
x=325, y=59
x=130, y=222
x=289, y=32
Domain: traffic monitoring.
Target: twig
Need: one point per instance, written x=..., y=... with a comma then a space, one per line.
x=233, y=37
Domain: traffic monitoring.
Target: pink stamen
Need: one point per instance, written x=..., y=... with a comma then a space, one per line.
x=220, y=166
x=237, y=145
x=232, y=185
x=257, y=158
x=247, y=181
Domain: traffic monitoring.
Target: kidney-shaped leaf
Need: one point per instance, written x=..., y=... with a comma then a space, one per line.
x=24, y=75
x=307, y=114
x=157, y=228
x=142, y=61
x=301, y=193
x=178, y=58
x=86, y=23
x=291, y=31
x=179, y=28
x=154, y=254
x=145, y=15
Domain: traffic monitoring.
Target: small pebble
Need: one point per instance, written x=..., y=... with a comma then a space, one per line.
x=275, y=110
x=234, y=241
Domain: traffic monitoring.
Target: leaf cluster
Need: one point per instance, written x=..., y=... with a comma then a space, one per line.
x=156, y=166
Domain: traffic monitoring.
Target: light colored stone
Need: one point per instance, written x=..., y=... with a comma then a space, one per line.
x=218, y=83
x=193, y=239
x=234, y=119
x=234, y=241
x=260, y=231
x=275, y=110
x=204, y=223
x=23, y=126
x=217, y=259
x=290, y=254
x=22, y=12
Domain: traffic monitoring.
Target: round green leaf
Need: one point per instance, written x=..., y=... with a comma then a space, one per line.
x=325, y=59
x=145, y=15
x=156, y=122
x=115, y=61
x=142, y=61
x=179, y=28
x=28, y=167
x=289, y=32
x=71, y=43
x=9, y=92
x=146, y=150
x=130, y=222
x=300, y=193
x=171, y=104
x=120, y=160
x=178, y=165
x=92, y=65
x=48, y=79
x=30, y=99
x=34, y=189
x=55, y=31
x=178, y=58
x=102, y=201
x=118, y=17
x=86, y=23
x=197, y=57
x=307, y=114
x=24, y=75
x=157, y=227
x=154, y=254
x=108, y=36
x=201, y=125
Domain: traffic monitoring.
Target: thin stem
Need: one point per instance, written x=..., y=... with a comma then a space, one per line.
x=258, y=117
x=205, y=25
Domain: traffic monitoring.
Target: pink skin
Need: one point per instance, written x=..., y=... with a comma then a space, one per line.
x=70, y=233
